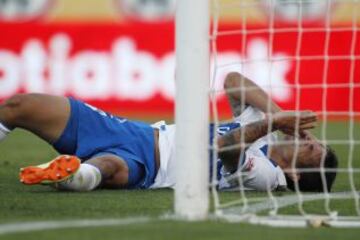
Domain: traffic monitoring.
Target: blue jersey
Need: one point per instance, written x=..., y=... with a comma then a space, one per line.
x=221, y=130
x=91, y=132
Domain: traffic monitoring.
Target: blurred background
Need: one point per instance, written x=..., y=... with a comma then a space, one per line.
x=119, y=54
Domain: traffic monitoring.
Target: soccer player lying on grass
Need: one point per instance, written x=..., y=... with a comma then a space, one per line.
x=102, y=150
x=259, y=163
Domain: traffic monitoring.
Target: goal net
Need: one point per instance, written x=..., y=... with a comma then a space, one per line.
x=305, y=54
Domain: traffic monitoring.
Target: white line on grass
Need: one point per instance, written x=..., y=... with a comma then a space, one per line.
x=49, y=225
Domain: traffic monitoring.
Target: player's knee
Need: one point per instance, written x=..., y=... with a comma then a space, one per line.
x=108, y=164
x=114, y=170
x=232, y=80
x=17, y=107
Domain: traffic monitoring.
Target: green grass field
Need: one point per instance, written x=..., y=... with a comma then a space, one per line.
x=24, y=204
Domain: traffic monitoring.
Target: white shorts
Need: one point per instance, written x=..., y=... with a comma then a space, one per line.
x=166, y=176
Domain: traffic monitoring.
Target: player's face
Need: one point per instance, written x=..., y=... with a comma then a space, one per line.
x=309, y=152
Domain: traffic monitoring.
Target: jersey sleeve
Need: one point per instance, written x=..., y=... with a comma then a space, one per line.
x=259, y=173
x=255, y=173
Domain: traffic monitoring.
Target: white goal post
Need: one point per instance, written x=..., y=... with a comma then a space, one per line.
x=192, y=111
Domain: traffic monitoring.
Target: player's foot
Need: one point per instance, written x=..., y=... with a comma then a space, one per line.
x=57, y=170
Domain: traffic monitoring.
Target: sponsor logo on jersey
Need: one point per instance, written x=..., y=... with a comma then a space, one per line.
x=249, y=164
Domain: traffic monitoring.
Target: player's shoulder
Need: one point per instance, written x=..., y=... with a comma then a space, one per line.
x=260, y=172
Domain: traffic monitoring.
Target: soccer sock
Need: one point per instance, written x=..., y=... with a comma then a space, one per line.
x=87, y=178
x=4, y=131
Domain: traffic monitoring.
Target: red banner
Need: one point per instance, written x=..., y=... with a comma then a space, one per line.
x=129, y=68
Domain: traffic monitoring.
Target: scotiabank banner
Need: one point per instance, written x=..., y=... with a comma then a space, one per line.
x=130, y=68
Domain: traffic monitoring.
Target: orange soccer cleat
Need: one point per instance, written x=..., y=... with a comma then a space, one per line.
x=57, y=170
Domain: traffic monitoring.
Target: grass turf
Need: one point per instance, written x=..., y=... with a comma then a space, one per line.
x=19, y=203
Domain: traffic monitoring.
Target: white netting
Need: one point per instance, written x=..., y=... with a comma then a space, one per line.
x=300, y=39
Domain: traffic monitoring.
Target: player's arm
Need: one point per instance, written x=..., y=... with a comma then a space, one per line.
x=234, y=142
x=241, y=91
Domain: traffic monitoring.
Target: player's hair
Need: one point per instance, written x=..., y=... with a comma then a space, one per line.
x=311, y=181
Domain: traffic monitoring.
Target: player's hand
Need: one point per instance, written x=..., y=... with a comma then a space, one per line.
x=294, y=123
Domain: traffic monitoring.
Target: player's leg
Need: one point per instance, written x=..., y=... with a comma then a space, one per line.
x=114, y=170
x=67, y=173
x=44, y=115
